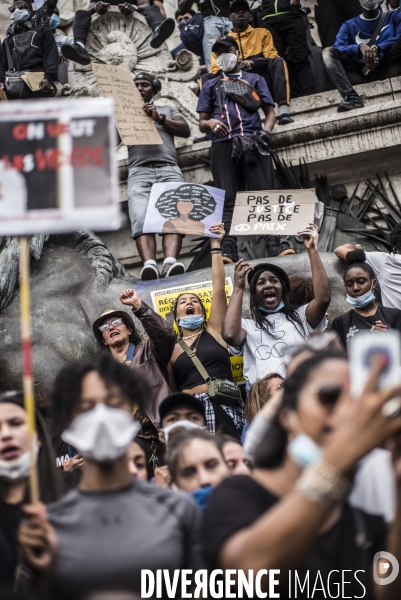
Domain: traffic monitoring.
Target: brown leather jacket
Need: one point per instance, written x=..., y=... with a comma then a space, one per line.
x=152, y=356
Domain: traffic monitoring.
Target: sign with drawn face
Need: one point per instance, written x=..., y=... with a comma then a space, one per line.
x=183, y=208
x=277, y=212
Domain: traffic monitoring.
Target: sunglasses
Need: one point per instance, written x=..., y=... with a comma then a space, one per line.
x=329, y=395
x=106, y=326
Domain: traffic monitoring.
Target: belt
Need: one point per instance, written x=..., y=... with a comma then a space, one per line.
x=157, y=165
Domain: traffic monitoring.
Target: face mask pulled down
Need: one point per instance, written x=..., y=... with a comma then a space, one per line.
x=102, y=434
x=361, y=301
x=20, y=468
x=192, y=322
x=227, y=61
x=370, y=4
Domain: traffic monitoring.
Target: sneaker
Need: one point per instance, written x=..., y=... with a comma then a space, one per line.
x=149, y=272
x=274, y=248
x=284, y=119
x=230, y=251
x=162, y=33
x=170, y=270
x=76, y=53
x=351, y=102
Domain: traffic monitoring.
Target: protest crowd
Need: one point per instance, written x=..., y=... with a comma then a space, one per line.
x=153, y=457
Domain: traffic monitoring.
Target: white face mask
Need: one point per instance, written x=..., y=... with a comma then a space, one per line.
x=185, y=424
x=304, y=450
x=227, y=61
x=20, y=15
x=20, y=468
x=370, y=4
x=103, y=433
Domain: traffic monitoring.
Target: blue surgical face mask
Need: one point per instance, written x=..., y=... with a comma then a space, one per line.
x=20, y=15
x=304, y=450
x=54, y=22
x=274, y=310
x=361, y=301
x=191, y=322
x=202, y=496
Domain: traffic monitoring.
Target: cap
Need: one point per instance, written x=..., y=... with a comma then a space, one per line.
x=109, y=312
x=27, y=3
x=224, y=40
x=179, y=398
x=281, y=274
x=239, y=4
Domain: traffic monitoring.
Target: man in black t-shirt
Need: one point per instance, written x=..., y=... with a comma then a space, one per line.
x=216, y=22
x=152, y=10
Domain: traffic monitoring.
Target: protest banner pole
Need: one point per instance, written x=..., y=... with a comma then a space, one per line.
x=27, y=360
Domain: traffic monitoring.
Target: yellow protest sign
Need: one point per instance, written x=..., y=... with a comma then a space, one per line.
x=163, y=304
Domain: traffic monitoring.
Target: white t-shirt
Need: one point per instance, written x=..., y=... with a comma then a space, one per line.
x=264, y=354
x=387, y=268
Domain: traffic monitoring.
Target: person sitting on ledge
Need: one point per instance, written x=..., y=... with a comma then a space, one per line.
x=353, y=48
x=152, y=10
x=258, y=55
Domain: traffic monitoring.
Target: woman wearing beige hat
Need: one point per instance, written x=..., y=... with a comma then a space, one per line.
x=116, y=331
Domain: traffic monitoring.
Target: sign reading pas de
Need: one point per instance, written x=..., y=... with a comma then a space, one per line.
x=286, y=211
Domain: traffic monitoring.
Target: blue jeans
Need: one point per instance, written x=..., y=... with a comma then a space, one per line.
x=214, y=27
x=140, y=181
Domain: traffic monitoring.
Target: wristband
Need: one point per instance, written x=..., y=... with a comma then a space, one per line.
x=322, y=483
x=216, y=251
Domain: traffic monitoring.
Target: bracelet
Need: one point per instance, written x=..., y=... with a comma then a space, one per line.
x=216, y=251
x=322, y=483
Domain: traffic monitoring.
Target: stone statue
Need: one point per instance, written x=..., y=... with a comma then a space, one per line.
x=73, y=279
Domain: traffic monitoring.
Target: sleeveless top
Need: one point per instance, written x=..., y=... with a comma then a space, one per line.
x=213, y=356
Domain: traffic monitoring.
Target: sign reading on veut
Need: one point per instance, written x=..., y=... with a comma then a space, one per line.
x=57, y=166
x=185, y=208
x=134, y=126
x=279, y=211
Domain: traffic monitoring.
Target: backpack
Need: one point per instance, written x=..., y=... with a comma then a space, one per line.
x=192, y=35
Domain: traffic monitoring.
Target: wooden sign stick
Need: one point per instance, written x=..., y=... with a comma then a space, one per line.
x=27, y=361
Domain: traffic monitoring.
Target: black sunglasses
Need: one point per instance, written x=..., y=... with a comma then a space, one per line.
x=329, y=394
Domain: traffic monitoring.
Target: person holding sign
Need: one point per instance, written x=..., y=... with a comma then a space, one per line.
x=228, y=108
x=275, y=324
x=15, y=467
x=204, y=339
x=149, y=164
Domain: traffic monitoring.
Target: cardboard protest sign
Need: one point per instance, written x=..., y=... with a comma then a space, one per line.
x=134, y=126
x=57, y=166
x=185, y=208
x=285, y=212
x=163, y=303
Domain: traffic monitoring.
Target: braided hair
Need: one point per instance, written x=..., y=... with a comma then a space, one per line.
x=289, y=310
x=357, y=258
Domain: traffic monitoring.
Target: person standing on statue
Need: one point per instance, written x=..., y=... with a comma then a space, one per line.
x=152, y=10
x=240, y=144
x=149, y=164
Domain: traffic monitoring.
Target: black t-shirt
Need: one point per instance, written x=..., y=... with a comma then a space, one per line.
x=348, y=325
x=240, y=501
x=215, y=8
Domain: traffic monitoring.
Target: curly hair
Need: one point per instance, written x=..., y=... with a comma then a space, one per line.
x=301, y=290
x=66, y=393
x=357, y=258
x=203, y=201
x=395, y=237
x=175, y=308
x=289, y=310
